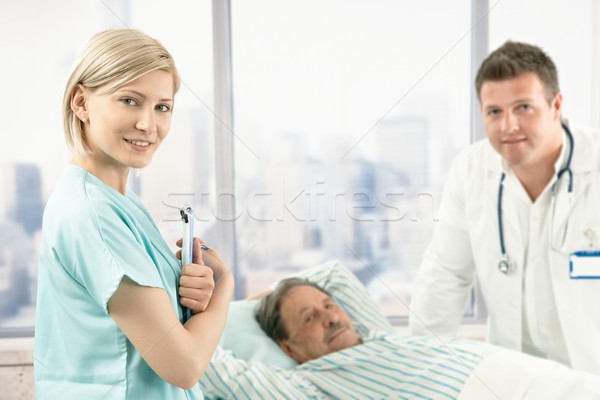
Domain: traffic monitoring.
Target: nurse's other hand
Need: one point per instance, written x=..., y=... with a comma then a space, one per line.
x=212, y=259
x=209, y=257
x=196, y=283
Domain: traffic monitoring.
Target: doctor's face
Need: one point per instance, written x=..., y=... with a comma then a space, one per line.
x=316, y=325
x=523, y=126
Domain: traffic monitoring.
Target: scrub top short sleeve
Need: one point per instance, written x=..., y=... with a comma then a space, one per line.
x=101, y=246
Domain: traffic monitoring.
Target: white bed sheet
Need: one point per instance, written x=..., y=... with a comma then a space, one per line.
x=510, y=375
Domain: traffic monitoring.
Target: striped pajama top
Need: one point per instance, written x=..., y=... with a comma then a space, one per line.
x=384, y=366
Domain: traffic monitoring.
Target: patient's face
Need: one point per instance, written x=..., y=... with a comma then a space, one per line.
x=315, y=323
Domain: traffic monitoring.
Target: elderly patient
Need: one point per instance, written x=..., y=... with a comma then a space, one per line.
x=316, y=325
x=308, y=324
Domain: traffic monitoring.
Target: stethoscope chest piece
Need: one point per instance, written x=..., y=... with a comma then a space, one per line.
x=505, y=266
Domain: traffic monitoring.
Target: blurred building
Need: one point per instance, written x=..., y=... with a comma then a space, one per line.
x=23, y=189
x=21, y=186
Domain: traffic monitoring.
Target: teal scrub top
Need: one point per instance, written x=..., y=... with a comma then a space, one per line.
x=92, y=236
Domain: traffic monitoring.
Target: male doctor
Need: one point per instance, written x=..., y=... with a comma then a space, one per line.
x=522, y=211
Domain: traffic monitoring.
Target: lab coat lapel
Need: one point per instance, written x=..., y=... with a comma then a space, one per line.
x=508, y=332
x=561, y=206
x=582, y=162
x=512, y=228
x=510, y=217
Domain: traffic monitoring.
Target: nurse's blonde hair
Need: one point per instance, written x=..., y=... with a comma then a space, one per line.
x=109, y=60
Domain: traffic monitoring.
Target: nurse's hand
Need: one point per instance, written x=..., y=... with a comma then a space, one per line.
x=208, y=257
x=196, y=283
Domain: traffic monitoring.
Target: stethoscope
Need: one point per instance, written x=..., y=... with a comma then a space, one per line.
x=505, y=265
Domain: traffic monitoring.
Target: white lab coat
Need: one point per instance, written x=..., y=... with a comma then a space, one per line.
x=465, y=242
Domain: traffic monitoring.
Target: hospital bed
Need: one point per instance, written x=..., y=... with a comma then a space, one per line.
x=249, y=365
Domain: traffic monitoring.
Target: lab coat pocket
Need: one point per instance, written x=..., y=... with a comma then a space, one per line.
x=575, y=220
x=578, y=236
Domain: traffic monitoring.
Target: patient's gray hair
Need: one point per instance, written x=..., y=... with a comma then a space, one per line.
x=268, y=311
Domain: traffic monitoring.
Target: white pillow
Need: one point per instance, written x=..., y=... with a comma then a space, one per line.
x=248, y=341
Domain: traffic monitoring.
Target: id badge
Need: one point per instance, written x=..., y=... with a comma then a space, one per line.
x=584, y=265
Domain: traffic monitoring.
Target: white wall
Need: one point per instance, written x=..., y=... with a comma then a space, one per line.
x=565, y=30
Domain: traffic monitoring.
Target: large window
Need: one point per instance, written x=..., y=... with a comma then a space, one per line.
x=348, y=115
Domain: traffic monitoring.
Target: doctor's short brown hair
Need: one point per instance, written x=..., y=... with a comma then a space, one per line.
x=515, y=58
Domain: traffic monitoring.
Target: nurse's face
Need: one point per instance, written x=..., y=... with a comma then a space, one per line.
x=521, y=124
x=316, y=325
x=125, y=128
